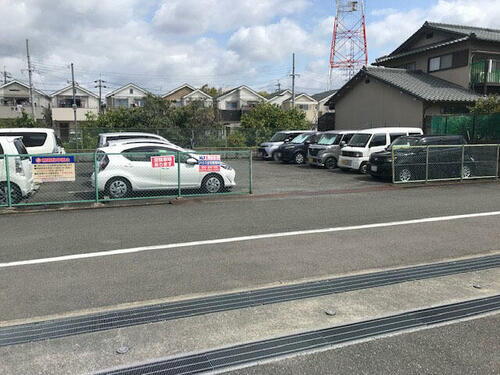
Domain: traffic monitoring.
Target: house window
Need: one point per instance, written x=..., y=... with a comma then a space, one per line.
x=121, y=103
x=131, y=91
x=68, y=102
x=440, y=62
x=232, y=105
x=304, y=107
x=409, y=66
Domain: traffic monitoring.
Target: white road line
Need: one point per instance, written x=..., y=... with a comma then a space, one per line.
x=244, y=238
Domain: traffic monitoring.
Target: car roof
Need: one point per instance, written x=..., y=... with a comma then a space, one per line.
x=128, y=133
x=339, y=132
x=295, y=131
x=139, y=140
x=26, y=130
x=117, y=148
x=388, y=130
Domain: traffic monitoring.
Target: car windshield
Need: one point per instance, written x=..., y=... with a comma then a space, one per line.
x=359, y=140
x=404, y=142
x=300, y=138
x=329, y=139
x=279, y=137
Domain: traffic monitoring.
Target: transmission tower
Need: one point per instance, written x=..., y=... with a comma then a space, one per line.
x=349, y=48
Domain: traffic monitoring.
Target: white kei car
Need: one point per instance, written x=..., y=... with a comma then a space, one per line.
x=20, y=170
x=127, y=168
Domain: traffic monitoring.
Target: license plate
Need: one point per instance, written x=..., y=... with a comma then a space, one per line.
x=346, y=162
x=374, y=168
x=311, y=160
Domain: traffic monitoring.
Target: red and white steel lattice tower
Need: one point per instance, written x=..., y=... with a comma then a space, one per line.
x=349, y=47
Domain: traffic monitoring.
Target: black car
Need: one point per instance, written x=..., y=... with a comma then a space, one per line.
x=443, y=162
x=296, y=150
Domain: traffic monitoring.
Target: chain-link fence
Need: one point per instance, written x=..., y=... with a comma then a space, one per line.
x=444, y=162
x=102, y=177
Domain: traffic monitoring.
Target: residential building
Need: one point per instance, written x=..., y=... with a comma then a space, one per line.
x=233, y=103
x=440, y=69
x=15, y=99
x=326, y=116
x=384, y=97
x=127, y=96
x=186, y=94
x=466, y=55
x=279, y=97
x=306, y=104
x=86, y=102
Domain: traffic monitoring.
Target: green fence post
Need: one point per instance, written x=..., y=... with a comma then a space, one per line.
x=7, y=176
x=250, y=172
x=179, y=192
x=96, y=171
x=498, y=160
x=393, y=166
x=427, y=165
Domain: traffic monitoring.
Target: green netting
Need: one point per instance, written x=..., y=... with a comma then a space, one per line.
x=475, y=128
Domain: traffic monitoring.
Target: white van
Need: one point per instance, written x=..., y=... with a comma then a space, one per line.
x=36, y=140
x=356, y=154
x=20, y=170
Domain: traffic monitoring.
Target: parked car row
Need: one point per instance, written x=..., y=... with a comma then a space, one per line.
x=370, y=152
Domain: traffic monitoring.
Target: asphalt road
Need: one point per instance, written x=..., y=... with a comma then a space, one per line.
x=56, y=288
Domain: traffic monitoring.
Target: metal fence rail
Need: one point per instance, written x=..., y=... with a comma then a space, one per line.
x=412, y=164
x=28, y=180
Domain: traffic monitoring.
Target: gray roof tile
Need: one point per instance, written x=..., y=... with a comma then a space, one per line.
x=422, y=85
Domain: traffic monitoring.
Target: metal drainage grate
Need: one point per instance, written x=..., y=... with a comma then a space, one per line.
x=282, y=346
x=51, y=329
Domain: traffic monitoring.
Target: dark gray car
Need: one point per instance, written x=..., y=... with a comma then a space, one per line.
x=326, y=152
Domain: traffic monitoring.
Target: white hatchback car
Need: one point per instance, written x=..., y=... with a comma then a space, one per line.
x=105, y=139
x=127, y=168
x=36, y=140
x=20, y=170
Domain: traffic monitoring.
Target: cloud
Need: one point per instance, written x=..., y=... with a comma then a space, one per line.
x=395, y=27
x=273, y=42
x=199, y=16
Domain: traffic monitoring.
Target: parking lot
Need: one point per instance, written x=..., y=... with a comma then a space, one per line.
x=269, y=177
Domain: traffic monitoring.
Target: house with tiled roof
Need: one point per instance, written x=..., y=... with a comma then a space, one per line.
x=440, y=69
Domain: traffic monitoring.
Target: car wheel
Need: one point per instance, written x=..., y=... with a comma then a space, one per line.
x=212, y=184
x=118, y=187
x=276, y=156
x=299, y=158
x=405, y=175
x=331, y=163
x=15, y=194
x=363, y=169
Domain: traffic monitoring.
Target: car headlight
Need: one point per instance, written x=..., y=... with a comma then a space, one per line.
x=227, y=167
x=358, y=154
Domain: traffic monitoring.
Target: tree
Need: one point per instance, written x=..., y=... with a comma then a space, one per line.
x=193, y=125
x=212, y=91
x=487, y=105
x=260, y=123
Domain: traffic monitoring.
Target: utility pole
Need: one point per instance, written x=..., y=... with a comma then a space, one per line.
x=75, y=123
x=278, y=85
x=100, y=86
x=30, y=75
x=6, y=75
x=293, y=75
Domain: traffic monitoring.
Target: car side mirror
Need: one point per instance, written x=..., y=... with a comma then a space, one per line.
x=191, y=161
x=342, y=144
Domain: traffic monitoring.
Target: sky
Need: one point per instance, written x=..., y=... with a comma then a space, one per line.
x=160, y=44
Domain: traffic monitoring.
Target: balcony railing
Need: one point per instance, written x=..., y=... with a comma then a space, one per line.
x=481, y=74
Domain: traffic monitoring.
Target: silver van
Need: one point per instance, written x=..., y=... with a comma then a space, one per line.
x=326, y=152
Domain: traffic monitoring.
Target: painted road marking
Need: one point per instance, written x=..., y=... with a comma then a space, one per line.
x=243, y=238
